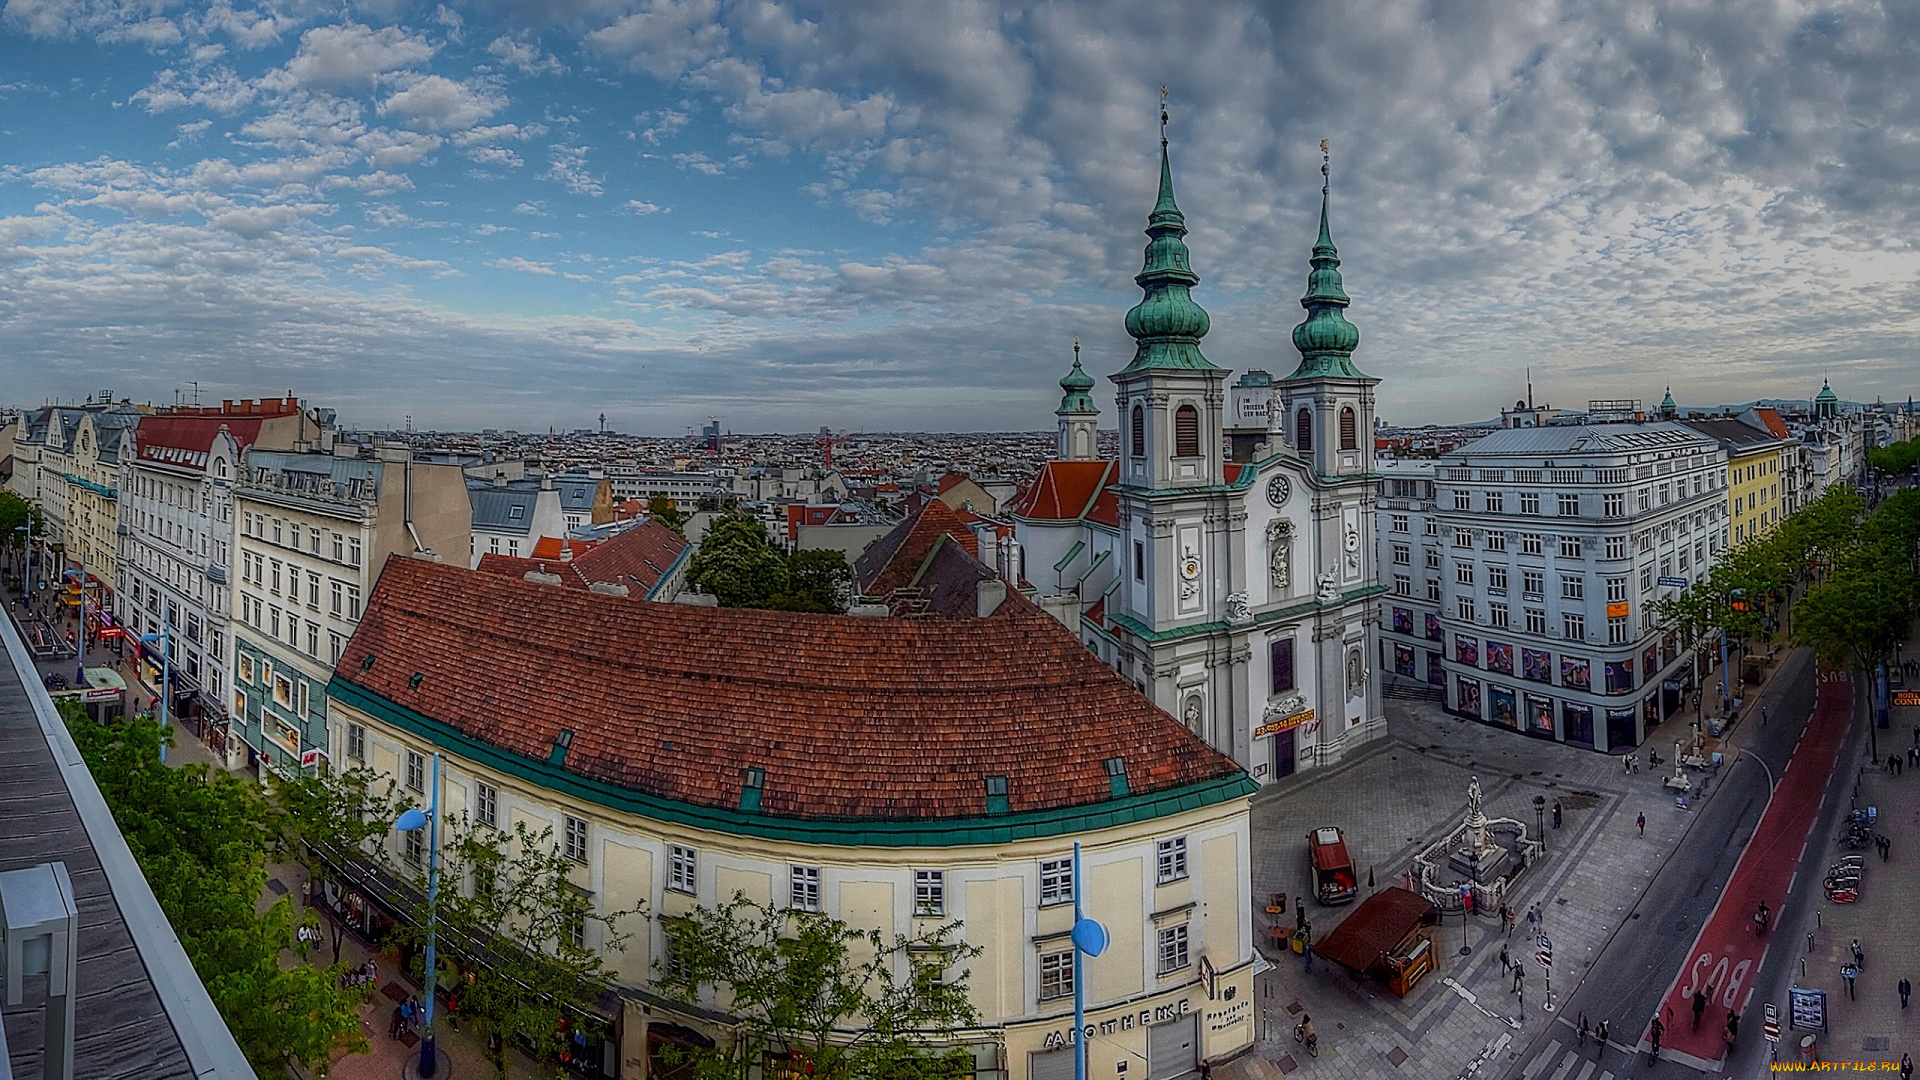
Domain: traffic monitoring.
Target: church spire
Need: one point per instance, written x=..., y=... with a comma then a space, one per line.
x=1166, y=324
x=1326, y=339
x=1076, y=389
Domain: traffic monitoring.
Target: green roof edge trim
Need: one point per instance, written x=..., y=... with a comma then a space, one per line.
x=946, y=832
x=1141, y=630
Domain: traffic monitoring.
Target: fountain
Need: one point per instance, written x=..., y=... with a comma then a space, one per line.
x=1480, y=857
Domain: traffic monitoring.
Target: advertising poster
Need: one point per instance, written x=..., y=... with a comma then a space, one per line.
x=1403, y=660
x=1539, y=715
x=1619, y=676
x=1433, y=628
x=1403, y=621
x=1576, y=673
x=1466, y=650
x=1536, y=664
x=1500, y=657
x=1468, y=696
x=1505, y=710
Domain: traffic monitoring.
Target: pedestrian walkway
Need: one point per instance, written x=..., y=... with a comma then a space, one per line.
x=1714, y=981
x=1557, y=1062
x=1392, y=799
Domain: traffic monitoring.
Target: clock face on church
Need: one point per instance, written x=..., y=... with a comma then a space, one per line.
x=1277, y=491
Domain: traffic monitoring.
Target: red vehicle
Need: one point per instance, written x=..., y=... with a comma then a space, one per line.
x=1333, y=880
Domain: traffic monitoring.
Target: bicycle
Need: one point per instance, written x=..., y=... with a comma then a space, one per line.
x=1304, y=1034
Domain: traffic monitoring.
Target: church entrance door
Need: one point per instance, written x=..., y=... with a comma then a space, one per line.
x=1283, y=752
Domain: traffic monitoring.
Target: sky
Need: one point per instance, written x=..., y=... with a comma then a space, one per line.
x=897, y=214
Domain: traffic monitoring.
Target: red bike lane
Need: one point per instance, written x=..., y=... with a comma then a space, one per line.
x=1727, y=953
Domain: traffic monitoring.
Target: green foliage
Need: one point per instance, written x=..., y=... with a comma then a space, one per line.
x=842, y=1003
x=14, y=512
x=509, y=912
x=739, y=563
x=328, y=819
x=1864, y=600
x=200, y=837
x=1897, y=459
x=663, y=510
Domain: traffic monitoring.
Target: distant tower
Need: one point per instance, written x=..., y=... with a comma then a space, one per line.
x=1079, y=416
x=1668, y=410
x=603, y=423
x=1826, y=406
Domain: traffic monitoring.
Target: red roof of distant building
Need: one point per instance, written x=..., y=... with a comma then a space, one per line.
x=637, y=558
x=851, y=719
x=1067, y=491
x=896, y=559
x=1775, y=426
x=169, y=438
x=950, y=481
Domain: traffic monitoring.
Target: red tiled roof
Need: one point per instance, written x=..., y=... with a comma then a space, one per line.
x=893, y=561
x=637, y=558
x=1065, y=490
x=160, y=433
x=950, y=481
x=551, y=547
x=852, y=719
x=1776, y=426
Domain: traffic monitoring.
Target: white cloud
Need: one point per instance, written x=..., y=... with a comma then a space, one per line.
x=661, y=126
x=438, y=103
x=387, y=149
x=664, y=38
x=568, y=166
x=352, y=55
x=525, y=57
x=217, y=88
x=701, y=163
x=524, y=266
x=495, y=155
x=496, y=133
x=189, y=133
x=536, y=207
x=642, y=209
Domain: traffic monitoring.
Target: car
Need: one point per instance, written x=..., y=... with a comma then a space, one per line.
x=1333, y=878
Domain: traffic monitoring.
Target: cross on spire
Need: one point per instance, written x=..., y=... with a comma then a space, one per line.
x=1326, y=162
x=1163, y=116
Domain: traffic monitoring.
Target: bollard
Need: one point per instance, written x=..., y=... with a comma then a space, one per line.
x=1818, y=925
x=1803, y=967
x=1809, y=941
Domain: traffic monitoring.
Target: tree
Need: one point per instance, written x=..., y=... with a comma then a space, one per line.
x=738, y=563
x=326, y=821
x=662, y=509
x=841, y=1002
x=509, y=912
x=200, y=838
x=817, y=581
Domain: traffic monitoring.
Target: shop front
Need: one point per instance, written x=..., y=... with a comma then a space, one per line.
x=1166, y=1033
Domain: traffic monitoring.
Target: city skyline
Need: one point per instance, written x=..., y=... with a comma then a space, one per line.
x=517, y=218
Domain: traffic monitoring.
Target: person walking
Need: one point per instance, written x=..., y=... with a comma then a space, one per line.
x=1556, y=813
x=1519, y=976
x=1850, y=973
x=1699, y=1007
x=394, y=1022
x=1654, y=1031
x=1507, y=918
x=1859, y=958
x=1206, y=1069
x=1600, y=1037
x=1643, y=826
x=1763, y=715
x=1906, y=991
x=1506, y=964
x=1583, y=1029
x=1906, y=1067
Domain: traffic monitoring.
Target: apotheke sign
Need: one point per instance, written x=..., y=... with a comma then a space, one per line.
x=1125, y=1021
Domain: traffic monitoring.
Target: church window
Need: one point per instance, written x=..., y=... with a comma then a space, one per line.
x=1139, y=432
x=1186, y=431
x=1280, y=653
x=1349, y=430
x=1303, y=430
x=1139, y=561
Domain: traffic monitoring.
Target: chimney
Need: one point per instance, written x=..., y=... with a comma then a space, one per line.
x=989, y=594
x=541, y=577
x=608, y=588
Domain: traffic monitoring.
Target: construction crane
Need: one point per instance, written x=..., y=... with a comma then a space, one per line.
x=826, y=442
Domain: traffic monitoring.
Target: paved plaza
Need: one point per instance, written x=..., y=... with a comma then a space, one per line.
x=1400, y=794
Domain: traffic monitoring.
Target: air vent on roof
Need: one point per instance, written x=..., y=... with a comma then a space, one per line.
x=752, y=783
x=1117, y=776
x=366, y=662
x=414, y=680
x=558, y=755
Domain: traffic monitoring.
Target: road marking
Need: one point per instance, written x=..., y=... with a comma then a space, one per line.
x=1566, y=1066
x=1533, y=1070
x=1586, y=1071
x=1487, y=1053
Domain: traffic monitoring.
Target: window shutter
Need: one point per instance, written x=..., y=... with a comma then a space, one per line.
x=1139, y=432
x=1282, y=654
x=1186, y=431
x=1349, y=436
x=1303, y=430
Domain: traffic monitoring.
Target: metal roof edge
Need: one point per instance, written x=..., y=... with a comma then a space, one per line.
x=210, y=1047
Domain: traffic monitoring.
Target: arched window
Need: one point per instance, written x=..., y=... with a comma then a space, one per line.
x=1186, y=431
x=1303, y=430
x=1349, y=435
x=1139, y=432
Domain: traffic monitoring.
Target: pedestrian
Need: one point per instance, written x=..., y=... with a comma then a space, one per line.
x=1299, y=912
x=453, y=1010
x=1886, y=848
x=1654, y=1031
x=1506, y=964
x=1859, y=958
x=1600, y=1036
x=406, y=1013
x=1699, y=1007
x=394, y=1022
x=1850, y=973
x=1507, y=918
x=1763, y=716
x=1583, y=1029
x=1519, y=976
x=1643, y=826
x=1308, y=953
x=1206, y=1069
x=1906, y=991
x=1556, y=813
x=1906, y=1067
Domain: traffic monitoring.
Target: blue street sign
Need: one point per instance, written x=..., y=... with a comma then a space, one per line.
x=1676, y=582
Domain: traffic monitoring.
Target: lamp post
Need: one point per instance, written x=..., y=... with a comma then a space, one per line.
x=165, y=640
x=1540, y=820
x=413, y=821
x=26, y=556
x=80, y=637
x=1089, y=938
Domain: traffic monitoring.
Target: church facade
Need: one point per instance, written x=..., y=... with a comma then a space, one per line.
x=1232, y=586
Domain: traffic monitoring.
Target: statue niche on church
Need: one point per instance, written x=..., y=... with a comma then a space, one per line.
x=1280, y=555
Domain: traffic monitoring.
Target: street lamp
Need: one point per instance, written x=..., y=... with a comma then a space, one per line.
x=1540, y=820
x=414, y=820
x=26, y=555
x=164, y=639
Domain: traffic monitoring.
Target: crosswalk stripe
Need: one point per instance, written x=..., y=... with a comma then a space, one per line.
x=1586, y=1071
x=1539, y=1063
x=1566, y=1066
x=1608, y=1075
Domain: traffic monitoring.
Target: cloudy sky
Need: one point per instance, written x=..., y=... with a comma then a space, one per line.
x=897, y=213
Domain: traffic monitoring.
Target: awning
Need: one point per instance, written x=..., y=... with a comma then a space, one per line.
x=1363, y=941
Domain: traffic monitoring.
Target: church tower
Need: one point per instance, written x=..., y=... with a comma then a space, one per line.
x=1079, y=416
x=1826, y=405
x=1170, y=396
x=1328, y=401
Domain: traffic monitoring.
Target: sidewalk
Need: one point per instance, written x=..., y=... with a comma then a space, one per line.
x=1463, y=1019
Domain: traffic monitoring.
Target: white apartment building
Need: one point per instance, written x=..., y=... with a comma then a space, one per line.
x=313, y=531
x=682, y=487
x=1523, y=568
x=176, y=539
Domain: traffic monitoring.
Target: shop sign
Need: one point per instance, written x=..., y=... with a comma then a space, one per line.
x=1618, y=610
x=1674, y=582
x=1125, y=1021
x=1808, y=1007
x=1907, y=698
x=1286, y=723
x=1232, y=1016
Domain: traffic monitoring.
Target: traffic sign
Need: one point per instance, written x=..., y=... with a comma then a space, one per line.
x=1543, y=952
x=1772, y=1025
